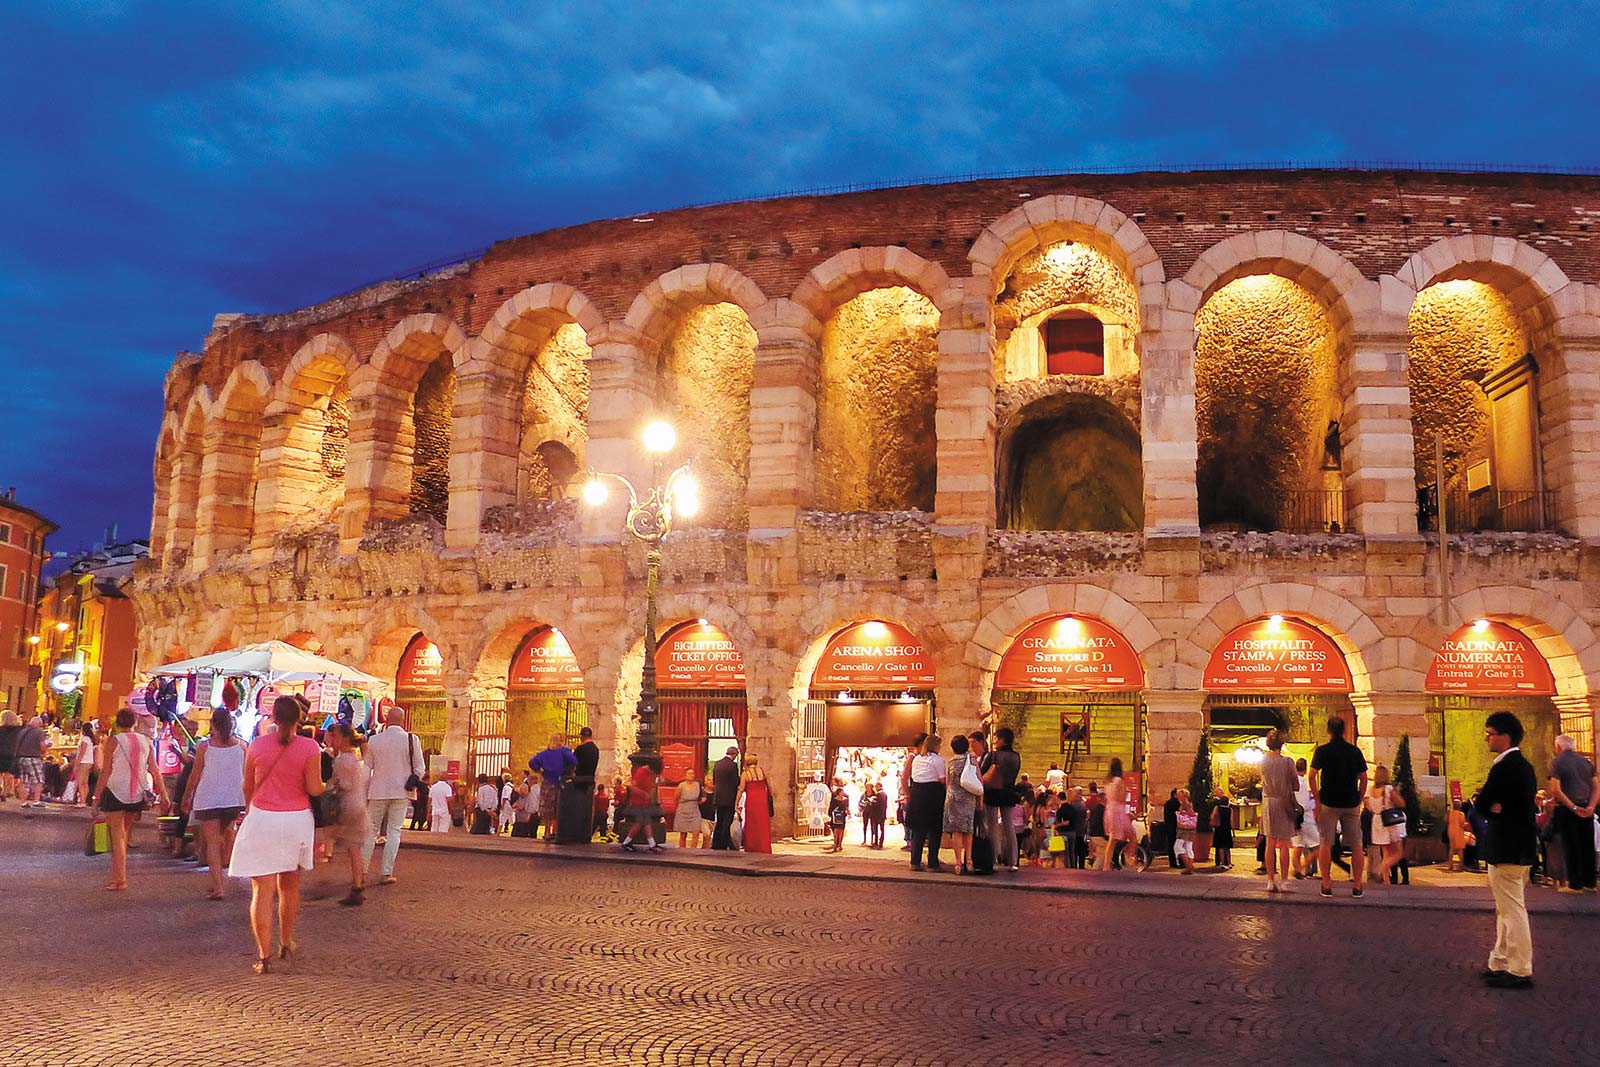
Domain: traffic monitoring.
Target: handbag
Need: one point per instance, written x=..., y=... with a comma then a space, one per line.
x=970, y=779
x=414, y=752
x=1392, y=816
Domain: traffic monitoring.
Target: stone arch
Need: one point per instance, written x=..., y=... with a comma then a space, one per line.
x=166, y=455
x=388, y=631
x=848, y=274
x=225, y=519
x=1000, y=626
x=1070, y=461
x=522, y=382
x=1527, y=276
x=1049, y=220
x=1568, y=643
x=304, y=639
x=404, y=472
x=695, y=328
x=821, y=619
x=305, y=440
x=1374, y=663
x=503, y=631
x=183, y=499
x=1308, y=294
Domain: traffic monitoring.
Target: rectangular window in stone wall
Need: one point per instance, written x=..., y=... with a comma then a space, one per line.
x=1075, y=343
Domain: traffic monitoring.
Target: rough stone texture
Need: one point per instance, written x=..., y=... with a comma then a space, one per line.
x=1459, y=330
x=1056, y=554
x=708, y=365
x=1059, y=277
x=875, y=439
x=430, y=463
x=555, y=411
x=1264, y=394
x=857, y=545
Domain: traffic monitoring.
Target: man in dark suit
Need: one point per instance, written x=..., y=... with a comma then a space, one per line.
x=583, y=783
x=1507, y=800
x=725, y=794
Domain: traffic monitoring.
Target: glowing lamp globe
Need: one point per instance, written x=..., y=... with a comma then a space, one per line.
x=594, y=492
x=660, y=437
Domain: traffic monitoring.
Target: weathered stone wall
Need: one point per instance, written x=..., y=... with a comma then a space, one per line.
x=708, y=367
x=555, y=412
x=875, y=433
x=432, y=413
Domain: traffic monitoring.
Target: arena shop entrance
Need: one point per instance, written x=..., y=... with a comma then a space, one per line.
x=700, y=695
x=1484, y=667
x=1275, y=673
x=544, y=696
x=1069, y=688
x=871, y=695
x=419, y=688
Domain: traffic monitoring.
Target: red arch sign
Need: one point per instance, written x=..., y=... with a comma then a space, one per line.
x=1487, y=658
x=1067, y=652
x=545, y=661
x=422, y=666
x=873, y=655
x=698, y=656
x=1277, y=655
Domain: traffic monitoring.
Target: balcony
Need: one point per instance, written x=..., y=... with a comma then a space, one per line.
x=1488, y=510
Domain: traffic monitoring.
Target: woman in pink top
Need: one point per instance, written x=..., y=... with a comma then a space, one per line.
x=282, y=772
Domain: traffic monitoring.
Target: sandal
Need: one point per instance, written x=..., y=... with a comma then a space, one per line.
x=116, y=887
x=260, y=965
x=289, y=950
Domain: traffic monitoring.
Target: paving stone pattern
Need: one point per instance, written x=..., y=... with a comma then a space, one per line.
x=472, y=960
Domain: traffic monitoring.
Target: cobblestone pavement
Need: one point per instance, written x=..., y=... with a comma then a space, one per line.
x=475, y=960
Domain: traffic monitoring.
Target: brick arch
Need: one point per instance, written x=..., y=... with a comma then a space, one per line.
x=522, y=325
x=662, y=303
x=850, y=273
x=1522, y=272
x=183, y=496
x=390, y=627
x=1568, y=643
x=1051, y=219
x=225, y=512
x=502, y=632
x=166, y=449
x=1336, y=282
x=1373, y=666
x=244, y=393
x=406, y=351
x=313, y=371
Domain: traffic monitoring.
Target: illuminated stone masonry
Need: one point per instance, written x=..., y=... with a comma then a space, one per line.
x=1161, y=424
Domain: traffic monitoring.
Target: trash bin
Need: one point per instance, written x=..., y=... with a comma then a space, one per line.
x=575, y=811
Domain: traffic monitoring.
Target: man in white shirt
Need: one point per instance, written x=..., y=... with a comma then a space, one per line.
x=393, y=755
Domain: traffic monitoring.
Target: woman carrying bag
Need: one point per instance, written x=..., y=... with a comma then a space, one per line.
x=128, y=772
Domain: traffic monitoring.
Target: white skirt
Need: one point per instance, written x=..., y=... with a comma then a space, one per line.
x=273, y=842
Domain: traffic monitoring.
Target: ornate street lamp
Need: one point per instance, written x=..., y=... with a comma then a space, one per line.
x=650, y=520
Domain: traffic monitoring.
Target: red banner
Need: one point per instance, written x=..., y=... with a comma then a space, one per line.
x=698, y=655
x=1282, y=655
x=422, y=666
x=545, y=661
x=1070, y=652
x=677, y=762
x=873, y=655
x=1487, y=658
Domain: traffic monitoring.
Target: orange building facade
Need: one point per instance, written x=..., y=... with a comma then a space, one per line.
x=22, y=555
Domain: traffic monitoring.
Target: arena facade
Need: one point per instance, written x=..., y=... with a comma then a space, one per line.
x=1116, y=459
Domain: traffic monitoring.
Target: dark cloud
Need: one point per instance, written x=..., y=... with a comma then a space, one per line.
x=162, y=165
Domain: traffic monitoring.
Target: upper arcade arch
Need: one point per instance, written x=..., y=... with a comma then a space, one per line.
x=305, y=440
x=1048, y=220
x=183, y=499
x=1373, y=660
x=232, y=444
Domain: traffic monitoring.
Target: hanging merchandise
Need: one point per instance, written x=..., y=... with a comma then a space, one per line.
x=230, y=695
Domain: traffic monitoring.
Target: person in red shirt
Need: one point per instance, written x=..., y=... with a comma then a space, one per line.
x=642, y=808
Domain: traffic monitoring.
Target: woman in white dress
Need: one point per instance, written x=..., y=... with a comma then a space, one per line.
x=1390, y=841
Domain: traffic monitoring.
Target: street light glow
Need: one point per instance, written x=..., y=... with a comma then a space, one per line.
x=660, y=437
x=594, y=492
x=686, y=496
x=61, y=626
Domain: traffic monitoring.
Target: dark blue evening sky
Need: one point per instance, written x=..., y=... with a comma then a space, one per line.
x=165, y=161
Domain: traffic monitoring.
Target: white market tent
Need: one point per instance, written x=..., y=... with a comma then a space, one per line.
x=271, y=662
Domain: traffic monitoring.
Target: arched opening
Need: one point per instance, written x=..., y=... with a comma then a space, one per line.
x=554, y=414
x=1474, y=390
x=228, y=480
x=1276, y=672
x=1069, y=688
x=419, y=688
x=184, y=498
x=700, y=693
x=871, y=694
x=544, y=696
x=876, y=443
x=1267, y=409
x=1071, y=462
x=1066, y=309
x=306, y=474
x=1483, y=667
x=706, y=370
x=432, y=407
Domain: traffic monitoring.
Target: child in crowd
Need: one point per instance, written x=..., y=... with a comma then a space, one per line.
x=1188, y=823
x=1222, y=831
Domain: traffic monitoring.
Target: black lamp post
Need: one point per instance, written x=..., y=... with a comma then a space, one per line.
x=650, y=520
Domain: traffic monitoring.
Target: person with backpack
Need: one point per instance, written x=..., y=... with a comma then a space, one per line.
x=394, y=761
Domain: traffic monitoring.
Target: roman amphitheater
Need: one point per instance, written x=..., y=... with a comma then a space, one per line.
x=1116, y=459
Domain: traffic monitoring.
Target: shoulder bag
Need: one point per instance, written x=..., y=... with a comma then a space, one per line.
x=970, y=780
x=414, y=756
x=1392, y=816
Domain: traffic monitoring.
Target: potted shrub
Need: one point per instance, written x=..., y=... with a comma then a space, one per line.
x=1201, y=788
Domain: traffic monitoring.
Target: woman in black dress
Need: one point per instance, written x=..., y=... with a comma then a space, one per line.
x=1222, y=831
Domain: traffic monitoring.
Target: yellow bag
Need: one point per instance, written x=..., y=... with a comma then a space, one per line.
x=1057, y=843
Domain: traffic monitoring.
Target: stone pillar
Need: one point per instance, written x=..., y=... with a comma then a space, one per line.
x=1380, y=476
x=378, y=463
x=225, y=502
x=485, y=443
x=1380, y=720
x=1570, y=409
x=621, y=402
x=1167, y=431
x=458, y=688
x=783, y=423
x=181, y=506
x=964, y=418
x=1174, y=721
